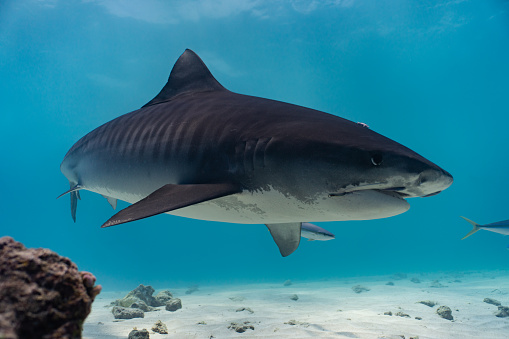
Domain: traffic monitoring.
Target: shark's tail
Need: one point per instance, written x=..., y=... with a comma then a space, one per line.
x=475, y=229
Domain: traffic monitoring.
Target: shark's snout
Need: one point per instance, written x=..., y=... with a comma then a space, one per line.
x=433, y=181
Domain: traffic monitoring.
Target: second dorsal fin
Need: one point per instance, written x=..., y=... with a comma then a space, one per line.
x=189, y=74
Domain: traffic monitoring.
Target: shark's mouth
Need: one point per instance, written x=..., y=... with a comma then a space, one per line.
x=431, y=194
x=395, y=192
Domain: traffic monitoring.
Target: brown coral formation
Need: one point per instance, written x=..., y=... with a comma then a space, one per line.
x=160, y=327
x=42, y=295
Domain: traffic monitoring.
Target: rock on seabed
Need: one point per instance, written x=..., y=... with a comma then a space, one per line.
x=445, y=312
x=160, y=327
x=42, y=294
x=120, y=312
x=173, y=305
x=139, y=334
x=503, y=312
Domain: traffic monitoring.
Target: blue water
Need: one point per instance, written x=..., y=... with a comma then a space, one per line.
x=432, y=75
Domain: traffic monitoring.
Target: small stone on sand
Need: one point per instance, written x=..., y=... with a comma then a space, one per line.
x=244, y=309
x=241, y=328
x=492, y=301
x=445, y=312
x=427, y=303
x=360, y=289
x=295, y=322
x=160, y=327
x=503, y=312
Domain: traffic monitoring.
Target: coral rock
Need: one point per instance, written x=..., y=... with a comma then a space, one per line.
x=492, y=301
x=42, y=295
x=139, y=334
x=445, y=312
x=173, y=305
x=120, y=312
x=140, y=304
x=163, y=297
x=160, y=327
x=140, y=295
x=503, y=312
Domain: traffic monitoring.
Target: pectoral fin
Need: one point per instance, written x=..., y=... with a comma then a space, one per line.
x=286, y=236
x=75, y=196
x=171, y=197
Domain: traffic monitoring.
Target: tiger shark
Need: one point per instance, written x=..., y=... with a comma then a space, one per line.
x=198, y=150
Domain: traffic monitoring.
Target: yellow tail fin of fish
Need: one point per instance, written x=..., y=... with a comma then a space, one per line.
x=475, y=229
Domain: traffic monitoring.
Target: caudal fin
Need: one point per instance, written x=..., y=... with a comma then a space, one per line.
x=475, y=229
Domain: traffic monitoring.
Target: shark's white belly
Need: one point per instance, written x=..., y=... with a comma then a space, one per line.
x=269, y=207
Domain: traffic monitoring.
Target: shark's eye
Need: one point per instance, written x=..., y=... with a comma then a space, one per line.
x=376, y=159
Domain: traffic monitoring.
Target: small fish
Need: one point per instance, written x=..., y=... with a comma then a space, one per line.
x=313, y=232
x=501, y=227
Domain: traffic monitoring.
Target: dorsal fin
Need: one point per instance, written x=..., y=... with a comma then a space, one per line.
x=189, y=74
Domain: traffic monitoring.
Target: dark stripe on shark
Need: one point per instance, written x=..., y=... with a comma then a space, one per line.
x=169, y=137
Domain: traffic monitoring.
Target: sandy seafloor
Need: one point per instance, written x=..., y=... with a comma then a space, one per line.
x=325, y=309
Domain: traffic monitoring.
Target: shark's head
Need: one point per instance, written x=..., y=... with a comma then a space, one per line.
x=379, y=163
x=358, y=167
